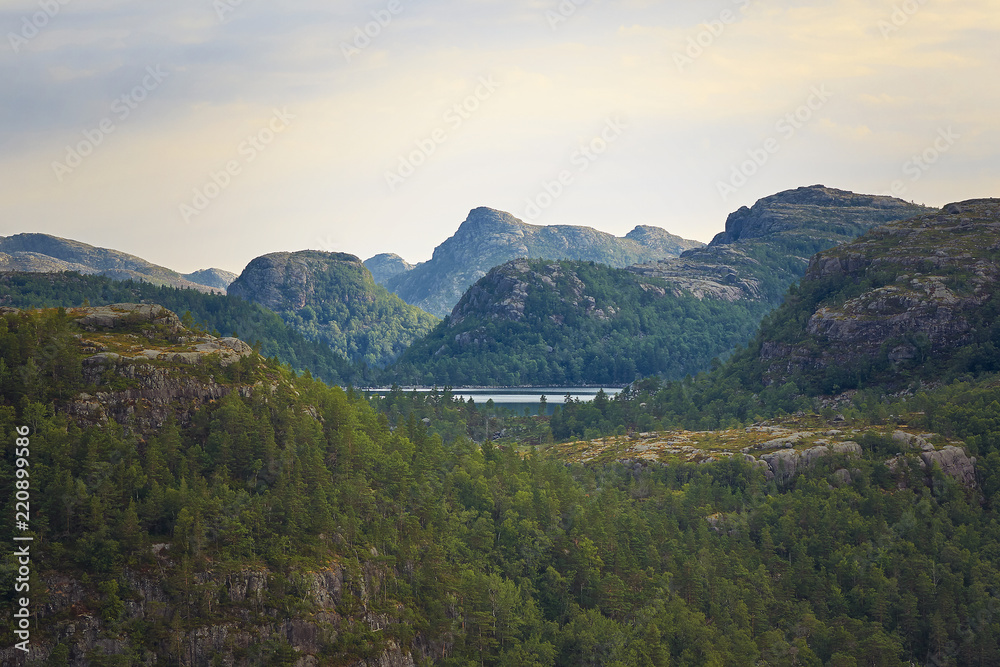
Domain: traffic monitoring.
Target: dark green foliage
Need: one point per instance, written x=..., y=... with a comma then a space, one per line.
x=227, y=315
x=478, y=555
x=562, y=340
x=332, y=298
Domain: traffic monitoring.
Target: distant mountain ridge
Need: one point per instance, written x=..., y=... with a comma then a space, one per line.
x=216, y=278
x=912, y=299
x=766, y=247
x=332, y=297
x=571, y=322
x=386, y=265
x=488, y=238
x=43, y=253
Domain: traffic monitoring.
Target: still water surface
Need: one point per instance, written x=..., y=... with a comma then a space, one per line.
x=518, y=398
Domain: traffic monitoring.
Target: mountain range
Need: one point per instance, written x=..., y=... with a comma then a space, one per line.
x=193, y=502
x=766, y=247
x=42, y=253
x=522, y=322
x=560, y=323
x=488, y=238
x=825, y=495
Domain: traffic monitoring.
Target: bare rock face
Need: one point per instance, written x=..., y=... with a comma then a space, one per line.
x=120, y=315
x=954, y=462
x=386, y=265
x=242, y=597
x=725, y=272
x=489, y=238
x=156, y=393
x=216, y=278
x=786, y=211
x=285, y=280
x=773, y=240
x=156, y=388
x=928, y=278
x=785, y=463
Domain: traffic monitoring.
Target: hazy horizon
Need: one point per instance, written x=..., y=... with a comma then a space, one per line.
x=207, y=133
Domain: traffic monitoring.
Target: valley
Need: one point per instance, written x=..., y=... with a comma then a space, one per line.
x=806, y=480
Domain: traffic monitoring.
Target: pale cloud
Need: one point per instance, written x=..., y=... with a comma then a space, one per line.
x=322, y=183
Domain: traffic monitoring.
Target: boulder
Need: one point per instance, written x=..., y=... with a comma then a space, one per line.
x=784, y=463
x=123, y=314
x=954, y=462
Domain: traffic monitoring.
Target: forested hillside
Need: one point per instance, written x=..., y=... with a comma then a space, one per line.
x=332, y=298
x=909, y=305
x=904, y=310
x=534, y=322
x=212, y=312
x=562, y=323
x=267, y=518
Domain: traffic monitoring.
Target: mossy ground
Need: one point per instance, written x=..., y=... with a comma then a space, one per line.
x=680, y=446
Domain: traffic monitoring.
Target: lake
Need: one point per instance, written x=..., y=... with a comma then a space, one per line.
x=518, y=398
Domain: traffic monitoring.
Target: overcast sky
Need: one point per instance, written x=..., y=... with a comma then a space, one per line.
x=199, y=133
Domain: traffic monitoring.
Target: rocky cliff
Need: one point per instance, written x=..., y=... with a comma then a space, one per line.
x=489, y=238
x=911, y=296
x=247, y=628
x=146, y=372
x=42, y=253
x=766, y=248
x=386, y=265
x=147, y=394
x=332, y=297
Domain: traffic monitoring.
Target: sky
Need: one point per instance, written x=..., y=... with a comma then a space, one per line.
x=204, y=133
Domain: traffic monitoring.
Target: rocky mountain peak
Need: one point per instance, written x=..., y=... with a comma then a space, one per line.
x=658, y=238
x=44, y=253
x=386, y=265
x=332, y=298
x=802, y=207
x=216, y=278
x=488, y=238
x=929, y=288
x=280, y=279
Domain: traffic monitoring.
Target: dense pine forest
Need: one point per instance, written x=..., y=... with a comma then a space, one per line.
x=579, y=323
x=459, y=551
x=212, y=312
